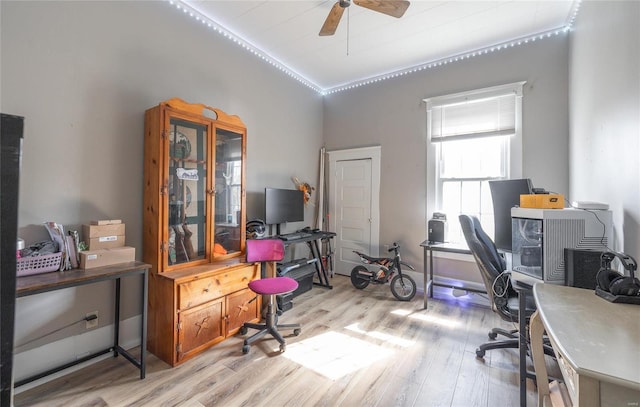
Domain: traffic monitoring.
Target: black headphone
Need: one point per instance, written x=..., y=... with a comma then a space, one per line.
x=256, y=229
x=614, y=282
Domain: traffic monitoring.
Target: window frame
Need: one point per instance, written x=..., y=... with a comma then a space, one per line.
x=512, y=150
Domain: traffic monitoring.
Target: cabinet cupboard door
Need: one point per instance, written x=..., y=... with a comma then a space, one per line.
x=242, y=306
x=199, y=327
x=229, y=192
x=186, y=215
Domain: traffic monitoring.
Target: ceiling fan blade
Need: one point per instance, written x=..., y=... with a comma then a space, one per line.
x=333, y=19
x=394, y=8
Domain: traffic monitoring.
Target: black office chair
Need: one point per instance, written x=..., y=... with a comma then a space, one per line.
x=504, y=299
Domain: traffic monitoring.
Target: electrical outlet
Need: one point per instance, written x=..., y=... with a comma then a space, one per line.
x=94, y=322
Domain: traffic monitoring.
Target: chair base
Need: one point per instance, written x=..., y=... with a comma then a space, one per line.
x=513, y=342
x=511, y=334
x=271, y=327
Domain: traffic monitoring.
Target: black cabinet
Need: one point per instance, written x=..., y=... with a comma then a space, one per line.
x=301, y=270
x=11, y=129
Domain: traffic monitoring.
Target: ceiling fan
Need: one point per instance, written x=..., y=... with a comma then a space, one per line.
x=394, y=8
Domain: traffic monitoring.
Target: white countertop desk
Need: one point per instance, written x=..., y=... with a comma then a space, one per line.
x=597, y=344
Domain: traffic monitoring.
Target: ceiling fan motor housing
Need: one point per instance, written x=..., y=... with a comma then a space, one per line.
x=345, y=3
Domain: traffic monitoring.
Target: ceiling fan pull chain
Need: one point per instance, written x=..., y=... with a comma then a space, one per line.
x=348, y=14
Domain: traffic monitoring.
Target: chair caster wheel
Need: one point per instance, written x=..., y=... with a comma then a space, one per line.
x=245, y=349
x=243, y=330
x=296, y=332
x=480, y=353
x=283, y=347
x=493, y=335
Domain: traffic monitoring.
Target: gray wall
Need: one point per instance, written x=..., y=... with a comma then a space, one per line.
x=605, y=114
x=82, y=74
x=391, y=114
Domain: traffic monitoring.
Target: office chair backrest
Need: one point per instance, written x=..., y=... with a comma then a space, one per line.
x=489, y=261
x=265, y=250
x=481, y=244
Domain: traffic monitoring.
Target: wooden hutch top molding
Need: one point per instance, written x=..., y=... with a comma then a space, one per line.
x=199, y=108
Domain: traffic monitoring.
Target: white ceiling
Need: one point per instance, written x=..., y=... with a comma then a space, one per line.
x=368, y=44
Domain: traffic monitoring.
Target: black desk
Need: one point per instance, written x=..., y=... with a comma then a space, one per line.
x=314, y=248
x=42, y=283
x=429, y=248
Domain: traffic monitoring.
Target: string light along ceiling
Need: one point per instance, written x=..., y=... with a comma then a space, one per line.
x=217, y=28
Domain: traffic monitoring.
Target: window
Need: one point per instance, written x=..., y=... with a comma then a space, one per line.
x=473, y=137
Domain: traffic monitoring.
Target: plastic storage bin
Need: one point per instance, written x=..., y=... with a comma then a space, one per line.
x=38, y=264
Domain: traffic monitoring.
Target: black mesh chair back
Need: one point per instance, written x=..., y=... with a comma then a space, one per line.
x=491, y=266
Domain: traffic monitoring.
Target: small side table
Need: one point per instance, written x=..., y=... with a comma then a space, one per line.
x=429, y=248
x=42, y=283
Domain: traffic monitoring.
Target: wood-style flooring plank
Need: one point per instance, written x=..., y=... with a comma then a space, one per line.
x=357, y=348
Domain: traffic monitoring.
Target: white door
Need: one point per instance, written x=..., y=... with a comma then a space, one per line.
x=353, y=207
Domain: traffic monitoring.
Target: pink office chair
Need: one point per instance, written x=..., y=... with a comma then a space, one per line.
x=268, y=250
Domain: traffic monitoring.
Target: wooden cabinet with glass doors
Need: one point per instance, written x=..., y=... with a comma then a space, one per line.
x=194, y=229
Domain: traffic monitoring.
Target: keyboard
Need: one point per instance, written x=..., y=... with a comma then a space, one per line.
x=295, y=235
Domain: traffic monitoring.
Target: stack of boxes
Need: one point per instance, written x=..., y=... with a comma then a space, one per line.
x=105, y=240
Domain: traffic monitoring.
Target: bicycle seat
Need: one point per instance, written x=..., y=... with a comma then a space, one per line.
x=369, y=258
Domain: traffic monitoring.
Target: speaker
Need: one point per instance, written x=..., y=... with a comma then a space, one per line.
x=437, y=230
x=581, y=267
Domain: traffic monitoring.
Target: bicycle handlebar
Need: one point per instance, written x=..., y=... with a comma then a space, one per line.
x=394, y=247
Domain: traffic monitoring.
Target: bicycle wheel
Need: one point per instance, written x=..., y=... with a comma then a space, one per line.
x=360, y=277
x=403, y=288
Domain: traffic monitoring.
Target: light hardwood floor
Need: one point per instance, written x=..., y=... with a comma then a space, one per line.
x=357, y=348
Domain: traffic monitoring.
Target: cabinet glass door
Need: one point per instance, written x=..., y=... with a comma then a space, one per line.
x=228, y=192
x=187, y=191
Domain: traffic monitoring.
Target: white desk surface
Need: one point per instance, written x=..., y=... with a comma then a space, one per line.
x=598, y=338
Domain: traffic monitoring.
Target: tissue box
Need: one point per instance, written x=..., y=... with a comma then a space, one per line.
x=105, y=257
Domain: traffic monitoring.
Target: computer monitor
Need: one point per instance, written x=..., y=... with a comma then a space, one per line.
x=505, y=194
x=283, y=205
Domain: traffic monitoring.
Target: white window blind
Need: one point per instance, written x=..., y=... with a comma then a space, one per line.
x=488, y=117
x=473, y=137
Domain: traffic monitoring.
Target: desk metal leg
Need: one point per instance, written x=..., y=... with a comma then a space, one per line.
x=322, y=271
x=143, y=324
x=522, y=323
x=425, y=273
x=431, y=273
x=116, y=321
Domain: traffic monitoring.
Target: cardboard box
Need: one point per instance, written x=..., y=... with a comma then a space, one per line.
x=542, y=201
x=106, y=242
x=106, y=222
x=93, y=231
x=104, y=236
x=105, y=257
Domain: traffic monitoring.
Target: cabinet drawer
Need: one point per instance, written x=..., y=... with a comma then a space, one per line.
x=205, y=289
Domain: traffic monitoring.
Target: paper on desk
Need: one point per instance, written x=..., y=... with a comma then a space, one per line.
x=56, y=232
